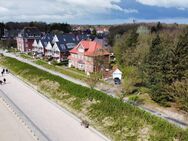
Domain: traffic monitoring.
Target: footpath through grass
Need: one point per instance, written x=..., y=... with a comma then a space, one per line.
x=60, y=69
x=117, y=120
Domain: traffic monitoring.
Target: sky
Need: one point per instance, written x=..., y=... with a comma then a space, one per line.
x=94, y=11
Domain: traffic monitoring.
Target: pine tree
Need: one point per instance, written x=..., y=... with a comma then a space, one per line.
x=153, y=62
x=180, y=58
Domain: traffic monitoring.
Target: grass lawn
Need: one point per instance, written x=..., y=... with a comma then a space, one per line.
x=62, y=69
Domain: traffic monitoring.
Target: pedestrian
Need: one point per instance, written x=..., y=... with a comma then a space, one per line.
x=3, y=70
x=2, y=73
x=7, y=71
x=4, y=80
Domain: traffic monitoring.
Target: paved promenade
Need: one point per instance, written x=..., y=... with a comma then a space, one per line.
x=11, y=127
x=46, y=119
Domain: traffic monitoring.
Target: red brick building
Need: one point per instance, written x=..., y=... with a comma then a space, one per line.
x=26, y=38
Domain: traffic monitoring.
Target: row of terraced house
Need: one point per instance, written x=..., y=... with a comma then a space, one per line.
x=81, y=52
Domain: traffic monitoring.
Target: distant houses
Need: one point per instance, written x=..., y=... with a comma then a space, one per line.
x=26, y=38
x=57, y=46
x=80, y=50
x=89, y=56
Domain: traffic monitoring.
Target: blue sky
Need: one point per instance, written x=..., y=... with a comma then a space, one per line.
x=94, y=11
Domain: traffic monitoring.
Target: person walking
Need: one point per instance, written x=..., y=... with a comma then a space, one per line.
x=2, y=73
x=7, y=71
x=4, y=80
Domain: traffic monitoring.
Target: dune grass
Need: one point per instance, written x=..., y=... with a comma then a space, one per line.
x=117, y=120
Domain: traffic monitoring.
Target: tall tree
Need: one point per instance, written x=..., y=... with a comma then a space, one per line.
x=125, y=46
x=2, y=26
x=153, y=62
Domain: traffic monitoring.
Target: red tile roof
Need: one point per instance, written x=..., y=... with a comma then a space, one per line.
x=92, y=48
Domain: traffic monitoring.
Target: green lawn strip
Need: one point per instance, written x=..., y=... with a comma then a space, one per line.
x=61, y=70
x=119, y=121
x=25, y=56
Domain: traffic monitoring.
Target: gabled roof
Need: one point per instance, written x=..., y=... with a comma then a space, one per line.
x=35, y=43
x=55, y=39
x=55, y=47
x=40, y=45
x=91, y=48
x=49, y=46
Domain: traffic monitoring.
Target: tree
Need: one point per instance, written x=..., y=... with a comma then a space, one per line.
x=153, y=62
x=159, y=26
x=125, y=46
x=94, y=32
x=180, y=57
x=2, y=26
x=93, y=79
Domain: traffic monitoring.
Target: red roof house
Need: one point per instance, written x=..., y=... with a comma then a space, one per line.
x=89, y=56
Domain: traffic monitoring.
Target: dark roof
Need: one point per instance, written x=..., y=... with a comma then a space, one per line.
x=62, y=47
x=48, y=37
x=81, y=37
x=71, y=38
x=45, y=39
x=30, y=32
x=69, y=41
x=67, y=38
x=10, y=34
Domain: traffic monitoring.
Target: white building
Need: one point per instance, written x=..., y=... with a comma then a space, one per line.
x=117, y=74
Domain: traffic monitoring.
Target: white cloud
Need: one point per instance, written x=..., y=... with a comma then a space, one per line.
x=182, y=4
x=3, y=9
x=59, y=10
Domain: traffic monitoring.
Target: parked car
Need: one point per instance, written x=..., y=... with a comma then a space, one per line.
x=117, y=81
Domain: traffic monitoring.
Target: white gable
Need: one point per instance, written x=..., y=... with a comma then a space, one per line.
x=49, y=46
x=40, y=44
x=55, y=48
x=117, y=71
x=55, y=39
x=35, y=43
x=117, y=74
